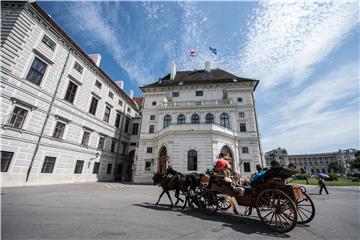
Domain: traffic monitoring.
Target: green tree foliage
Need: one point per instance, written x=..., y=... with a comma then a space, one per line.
x=356, y=162
x=335, y=167
x=291, y=165
x=275, y=163
x=302, y=171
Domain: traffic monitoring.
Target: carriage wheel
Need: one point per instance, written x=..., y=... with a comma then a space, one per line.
x=248, y=210
x=305, y=209
x=276, y=209
x=208, y=202
x=223, y=202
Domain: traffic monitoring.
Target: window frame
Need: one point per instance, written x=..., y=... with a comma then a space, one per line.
x=242, y=127
x=241, y=114
x=78, y=67
x=12, y=121
x=117, y=120
x=48, y=40
x=127, y=124
x=113, y=145
x=79, y=165
x=208, y=119
x=88, y=139
x=102, y=145
x=167, y=120
x=111, y=94
x=192, y=160
x=147, y=166
x=135, y=129
x=48, y=164
x=247, y=164
x=225, y=121
x=56, y=128
x=36, y=72
x=175, y=94
x=107, y=113
x=245, y=150
x=109, y=168
x=96, y=168
x=151, y=128
x=91, y=111
x=181, y=119
x=68, y=93
x=98, y=84
x=195, y=119
x=149, y=150
x=152, y=117
x=5, y=163
x=199, y=93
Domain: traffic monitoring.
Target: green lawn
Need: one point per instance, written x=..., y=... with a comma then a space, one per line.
x=314, y=181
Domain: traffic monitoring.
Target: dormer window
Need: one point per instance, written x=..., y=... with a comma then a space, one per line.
x=48, y=42
x=199, y=93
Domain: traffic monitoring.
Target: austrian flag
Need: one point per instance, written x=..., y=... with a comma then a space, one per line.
x=192, y=53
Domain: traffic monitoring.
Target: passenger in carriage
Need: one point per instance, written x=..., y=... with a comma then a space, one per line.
x=260, y=171
x=221, y=165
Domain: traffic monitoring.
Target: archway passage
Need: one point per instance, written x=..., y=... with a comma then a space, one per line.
x=162, y=160
x=228, y=156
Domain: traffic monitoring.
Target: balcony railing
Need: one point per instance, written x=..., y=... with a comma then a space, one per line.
x=14, y=120
x=197, y=103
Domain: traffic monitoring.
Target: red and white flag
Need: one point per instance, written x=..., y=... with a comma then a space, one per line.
x=192, y=53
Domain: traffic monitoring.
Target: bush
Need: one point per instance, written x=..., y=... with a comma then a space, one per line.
x=333, y=177
x=301, y=176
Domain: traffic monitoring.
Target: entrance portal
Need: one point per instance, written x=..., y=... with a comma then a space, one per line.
x=162, y=160
x=228, y=155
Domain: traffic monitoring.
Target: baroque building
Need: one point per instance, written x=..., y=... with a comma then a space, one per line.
x=63, y=119
x=189, y=117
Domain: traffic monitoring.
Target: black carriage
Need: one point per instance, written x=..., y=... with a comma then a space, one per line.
x=279, y=205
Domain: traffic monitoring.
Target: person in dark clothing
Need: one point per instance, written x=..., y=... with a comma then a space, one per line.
x=322, y=186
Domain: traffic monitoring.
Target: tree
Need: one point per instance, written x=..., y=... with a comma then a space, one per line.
x=291, y=165
x=302, y=171
x=275, y=163
x=334, y=167
x=356, y=162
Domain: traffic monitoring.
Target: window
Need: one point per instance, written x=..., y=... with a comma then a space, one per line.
x=175, y=94
x=209, y=118
x=192, y=160
x=78, y=67
x=113, y=145
x=70, y=92
x=151, y=128
x=120, y=102
x=167, y=120
x=135, y=129
x=36, y=71
x=98, y=84
x=96, y=168
x=124, y=149
x=199, y=93
x=152, y=117
x=85, y=138
x=107, y=114
x=195, y=119
x=242, y=127
x=147, y=166
x=133, y=144
x=48, y=42
x=153, y=103
x=245, y=150
x=127, y=122
x=241, y=114
x=224, y=120
x=239, y=99
x=48, y=165
x=17, y=118
x=93, y=105
x=108, y=170
x=247, y=167
x=129, y=110
x=79, y=166
x=181, y=119
x=117, y=120
x=111, y=95
x=6, y=158
x=101, y=143
x=59, y=130
x=149, y=150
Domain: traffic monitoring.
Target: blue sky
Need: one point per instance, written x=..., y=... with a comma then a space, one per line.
x=306, y=56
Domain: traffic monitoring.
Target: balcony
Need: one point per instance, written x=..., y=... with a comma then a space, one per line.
x=220, y=102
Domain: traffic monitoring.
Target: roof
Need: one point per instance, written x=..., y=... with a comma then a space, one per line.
x=139, y=101
x=199, y=77
x=79, y=49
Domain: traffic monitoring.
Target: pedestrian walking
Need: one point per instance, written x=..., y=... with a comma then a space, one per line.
x=322, y=186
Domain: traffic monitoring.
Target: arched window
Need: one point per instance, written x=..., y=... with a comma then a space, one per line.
x=181, y=119
x=167, y=120
x=192, y=160
x=209, y=118
x=224, y=120
x=195, y=119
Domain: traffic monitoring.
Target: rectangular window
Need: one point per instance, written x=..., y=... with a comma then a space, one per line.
x=120, y=102
x=96, y=168
x=98, y=84
x=101, y=143
x=149, y=150
x=135, y=129
x=242, y=127
x=59, y=130
x=133, y=144
x=152, y=117
x=175, y=94
x=17, y=118
x=86, y=138
x=107, y=114
x=147, y=166
x=6, y=158
x=117, y=120
x=48, y=165
x=109, y=167
x=127, y=122
x=70, y=92
x=113, y=145
x=247, y=167
x=78, y=67
x=48, y=42
x=93, y=105
x=111, y=95
x=124, y=149
x=245, y=150
x=36, y=71
x=151, y=128
x=241, y=114
x=199, y=93
x=79, y=166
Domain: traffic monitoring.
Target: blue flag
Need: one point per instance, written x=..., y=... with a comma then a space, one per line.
x=213, y=50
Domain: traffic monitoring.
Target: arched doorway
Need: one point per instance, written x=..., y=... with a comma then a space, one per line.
x=162, y=160
x=228, y=156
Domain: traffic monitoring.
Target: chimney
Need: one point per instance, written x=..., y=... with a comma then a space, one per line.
x=120, y=84
x=173, y=70
x=96, y=58
x=131, y=94
x=207, y=66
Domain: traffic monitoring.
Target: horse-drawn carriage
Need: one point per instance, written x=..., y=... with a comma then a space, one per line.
x=278, y=205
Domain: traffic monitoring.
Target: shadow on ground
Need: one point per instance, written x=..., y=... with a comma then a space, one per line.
x=244, y=224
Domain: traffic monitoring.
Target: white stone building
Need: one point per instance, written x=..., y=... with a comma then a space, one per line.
x=189, y=117
x=62, y=118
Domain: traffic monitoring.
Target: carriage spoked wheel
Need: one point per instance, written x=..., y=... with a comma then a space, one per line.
x=208, y=202
x=305, y=209
x=223, y=201
x=276, y=209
